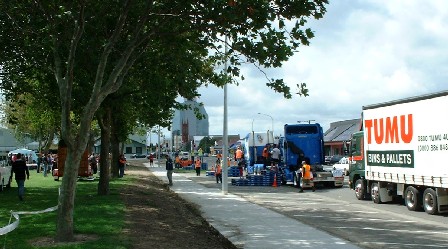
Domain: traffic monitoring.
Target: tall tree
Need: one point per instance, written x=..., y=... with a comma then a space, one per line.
x=65, y=38
x=30, y=116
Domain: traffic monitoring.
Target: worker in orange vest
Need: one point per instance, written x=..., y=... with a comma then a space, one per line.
x=197, y=166
x=265, y=155
x=238, y=155
x=307, y=175
x=218, y=171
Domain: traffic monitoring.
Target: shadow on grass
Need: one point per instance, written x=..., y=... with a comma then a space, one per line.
x=99, y=216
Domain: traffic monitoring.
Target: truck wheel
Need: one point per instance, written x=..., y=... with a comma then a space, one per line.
x=375, y=192
x=412, y=199
x=360, y=189
x=1, y=186
x=430, y=201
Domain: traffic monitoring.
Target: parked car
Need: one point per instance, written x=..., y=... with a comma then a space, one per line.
x=334, y=159
x=138, y=156
x=5, y=175
x=343, y=165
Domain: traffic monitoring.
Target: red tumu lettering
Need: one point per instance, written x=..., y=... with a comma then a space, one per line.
x=389, y=130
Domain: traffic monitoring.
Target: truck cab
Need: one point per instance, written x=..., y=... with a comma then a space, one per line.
x=357, y=165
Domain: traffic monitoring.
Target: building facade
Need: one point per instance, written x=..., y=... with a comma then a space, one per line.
x=337, y=137
x=185, y=124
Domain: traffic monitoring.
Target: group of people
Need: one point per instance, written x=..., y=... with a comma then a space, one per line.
x=46, y=163
x=304, y=175
x=271, y=156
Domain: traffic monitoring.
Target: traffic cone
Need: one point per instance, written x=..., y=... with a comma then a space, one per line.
x=275, y=181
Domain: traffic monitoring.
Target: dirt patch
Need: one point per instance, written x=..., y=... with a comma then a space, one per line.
x=158, y=218
x=50, y=241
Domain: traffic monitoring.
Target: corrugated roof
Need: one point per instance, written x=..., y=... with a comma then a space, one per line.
x=342, y=130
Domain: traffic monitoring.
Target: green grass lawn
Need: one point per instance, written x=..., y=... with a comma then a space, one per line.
x=102, y=216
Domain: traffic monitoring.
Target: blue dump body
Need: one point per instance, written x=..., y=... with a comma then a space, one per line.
x=300, y=141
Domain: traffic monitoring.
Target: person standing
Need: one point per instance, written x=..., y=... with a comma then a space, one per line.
x=169, y=170
x=265, y=155
x=197, y=166
x=49, y=163
x=45, y=161
x=21, y=173
x=275, y=156
x=39, y=162
x=151, y=160
x=242, y=166
x=93, y=163
x=121, y=165
x=218, y=171
x=307, y=175
x=238, y=155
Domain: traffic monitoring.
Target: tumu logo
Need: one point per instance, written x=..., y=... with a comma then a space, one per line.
x=394, y=129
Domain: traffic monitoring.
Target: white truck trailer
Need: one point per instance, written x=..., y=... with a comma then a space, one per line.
x=402, y=150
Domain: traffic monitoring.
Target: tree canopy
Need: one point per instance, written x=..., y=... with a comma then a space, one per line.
x=86, y=51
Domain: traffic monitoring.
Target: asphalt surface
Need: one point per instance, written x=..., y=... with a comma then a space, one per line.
x=246, y=224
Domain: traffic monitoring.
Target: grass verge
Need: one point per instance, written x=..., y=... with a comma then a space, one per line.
x=100, y=217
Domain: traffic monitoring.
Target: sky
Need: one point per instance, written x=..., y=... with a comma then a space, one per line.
x=364, y=52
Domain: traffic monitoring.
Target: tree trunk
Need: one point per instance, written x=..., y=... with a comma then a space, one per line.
x=115, y=143
x=48, y=143
x=103, y=185
x=67, y=195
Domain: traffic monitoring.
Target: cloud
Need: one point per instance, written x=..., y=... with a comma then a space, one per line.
x=364, y=52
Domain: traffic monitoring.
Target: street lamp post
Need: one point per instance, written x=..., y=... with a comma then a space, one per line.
x=253, y=144
x=158, y=148
x=272, y=124
x=225, y=137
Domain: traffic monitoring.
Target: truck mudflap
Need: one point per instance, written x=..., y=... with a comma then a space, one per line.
x=329, y=177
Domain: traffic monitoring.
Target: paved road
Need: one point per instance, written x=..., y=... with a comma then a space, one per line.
x=337, y=212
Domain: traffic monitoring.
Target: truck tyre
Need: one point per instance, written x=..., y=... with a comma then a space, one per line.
x=1, y=186
x=430, y=203
x=413, y=199
x=360, y=189
x=375, y=192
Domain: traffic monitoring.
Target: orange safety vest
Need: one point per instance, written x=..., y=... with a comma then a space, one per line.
x=265, y=153
x=238, y=154
x=306, y=168
x=197, y=164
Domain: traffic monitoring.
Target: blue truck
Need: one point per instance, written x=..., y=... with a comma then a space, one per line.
x=306, y=140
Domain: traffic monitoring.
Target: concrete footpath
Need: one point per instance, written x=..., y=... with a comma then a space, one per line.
x=249, y=225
